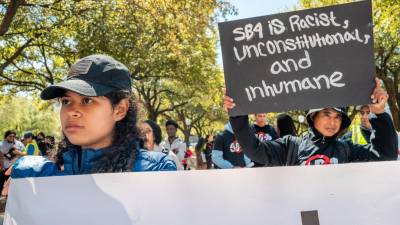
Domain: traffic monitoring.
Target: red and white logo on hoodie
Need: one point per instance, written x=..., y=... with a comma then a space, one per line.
x=263, y=136
x=235, y=147
x=321, y=160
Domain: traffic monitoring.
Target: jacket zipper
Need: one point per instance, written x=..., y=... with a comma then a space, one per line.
x=323, y=140
x=79, y=160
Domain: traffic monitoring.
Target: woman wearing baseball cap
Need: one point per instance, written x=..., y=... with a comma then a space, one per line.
x=98, y=119
x=321, y=145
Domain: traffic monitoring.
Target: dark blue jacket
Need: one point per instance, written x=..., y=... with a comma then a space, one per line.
x=38, y=166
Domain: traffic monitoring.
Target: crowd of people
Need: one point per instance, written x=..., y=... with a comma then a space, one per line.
x=101, y=134
x=324, y=143
x=12, y=147
x=219, y=151
x=211, y=152
x=225, y=151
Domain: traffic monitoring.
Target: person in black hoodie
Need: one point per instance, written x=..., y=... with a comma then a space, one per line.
x=285, y=125
x=262, y=129
x=227, y=153
x=321, y=146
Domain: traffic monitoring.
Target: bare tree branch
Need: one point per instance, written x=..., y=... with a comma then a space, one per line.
x=9, y=81
x=42, y=5
x=15, y=55
x=20, y=69
x=172, y=107
x=9, y=16
x=49, y=78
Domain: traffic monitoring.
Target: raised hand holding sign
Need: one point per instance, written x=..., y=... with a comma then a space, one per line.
x=299, y=60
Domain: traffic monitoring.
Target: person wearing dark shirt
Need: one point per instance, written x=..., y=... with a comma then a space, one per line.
x=208, y=150
x=285, y=125
x=204, y=146
x=262, y=129
x=321, y=146
x=41, y=142
x=227, y=153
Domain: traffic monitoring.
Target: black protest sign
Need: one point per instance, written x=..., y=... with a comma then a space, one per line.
x=305, y=59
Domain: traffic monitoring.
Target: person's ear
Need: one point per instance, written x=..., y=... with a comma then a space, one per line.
x=121, y=109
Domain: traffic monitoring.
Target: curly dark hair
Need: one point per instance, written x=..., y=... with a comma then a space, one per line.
x=122, y=156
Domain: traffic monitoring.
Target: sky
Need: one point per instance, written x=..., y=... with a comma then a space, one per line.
x=253, y=8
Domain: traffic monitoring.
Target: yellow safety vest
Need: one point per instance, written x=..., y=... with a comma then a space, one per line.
x=36, y=150
x=357, y=137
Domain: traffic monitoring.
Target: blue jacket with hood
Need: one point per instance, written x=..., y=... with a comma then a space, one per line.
x=38, y=166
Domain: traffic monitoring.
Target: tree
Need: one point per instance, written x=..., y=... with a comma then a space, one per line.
x=153, y=94
x=202, y=112
x=387, y=51
x=36, y=46
x=28, y=114
x=163, y=43
x=168, y=45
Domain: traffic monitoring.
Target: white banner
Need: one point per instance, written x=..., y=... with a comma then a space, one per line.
x=350, y=194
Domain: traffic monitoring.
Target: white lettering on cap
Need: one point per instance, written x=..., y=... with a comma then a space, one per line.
x=81, y=67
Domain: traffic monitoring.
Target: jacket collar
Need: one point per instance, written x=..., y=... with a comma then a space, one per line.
x=88, y=158
x=177, y=139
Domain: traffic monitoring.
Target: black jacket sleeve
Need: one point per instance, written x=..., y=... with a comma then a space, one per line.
x=383, y=146
x=269, y=153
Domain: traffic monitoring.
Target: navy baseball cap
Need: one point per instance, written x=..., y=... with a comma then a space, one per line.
x=94, y=75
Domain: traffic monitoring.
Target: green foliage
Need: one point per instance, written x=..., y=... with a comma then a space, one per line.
x=38, y=45
x=28, y=114
x=168, y=45
x=203, y=113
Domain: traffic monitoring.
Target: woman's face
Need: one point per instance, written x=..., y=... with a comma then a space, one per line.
x=146, y=132
x=364, y=112
x=88, y=121
x=210, y=138
x=327, y=122
x=39, y=137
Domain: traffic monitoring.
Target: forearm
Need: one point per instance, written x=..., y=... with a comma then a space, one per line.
x=18, y=152
x=247, y=139
x=34, y=166
x=218, y=159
